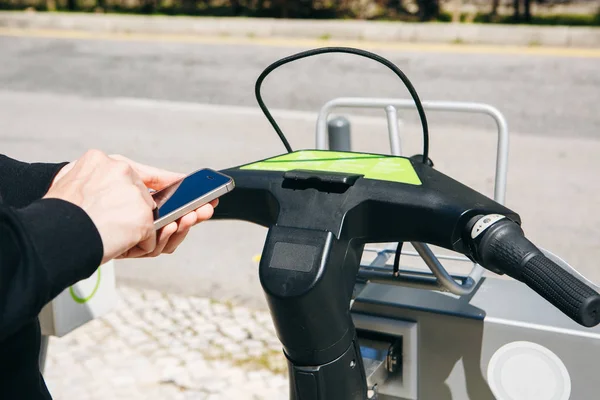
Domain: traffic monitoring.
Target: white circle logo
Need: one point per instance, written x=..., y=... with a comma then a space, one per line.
x=528, y=371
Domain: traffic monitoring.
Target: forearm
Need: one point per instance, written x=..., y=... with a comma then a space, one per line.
x=44, y=248
x=22, y=183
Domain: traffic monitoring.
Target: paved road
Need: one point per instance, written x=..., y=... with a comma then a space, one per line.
x=154, y=346
x=544, y=95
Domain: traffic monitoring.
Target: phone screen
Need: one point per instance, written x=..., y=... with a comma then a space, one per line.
x=187, y=190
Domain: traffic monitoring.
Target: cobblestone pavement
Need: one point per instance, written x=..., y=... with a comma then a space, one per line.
x=169, y=347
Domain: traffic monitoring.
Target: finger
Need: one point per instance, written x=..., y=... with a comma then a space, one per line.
x=145, y=194
x=154, y=178
x=204, y=213
x=175, y=241
x=163, y=239
x=159, y=179
x=187, y=221
x=134, y=252
x=148, y=245
x=126, y=254
x=142, y=249
x=184, y=225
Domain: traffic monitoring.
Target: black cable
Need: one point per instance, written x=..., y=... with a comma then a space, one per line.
x=349, y=50
x=362, y=53
x=396, y=268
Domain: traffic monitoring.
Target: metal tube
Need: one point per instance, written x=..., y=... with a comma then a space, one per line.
x=415, y=280
x=468, y=107
x=392, y=118
x=415, y=254
x=440, y=272
x=388, y=104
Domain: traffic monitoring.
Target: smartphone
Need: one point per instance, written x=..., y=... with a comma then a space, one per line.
x=188, y=194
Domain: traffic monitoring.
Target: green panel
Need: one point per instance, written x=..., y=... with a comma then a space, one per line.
x=372, y=166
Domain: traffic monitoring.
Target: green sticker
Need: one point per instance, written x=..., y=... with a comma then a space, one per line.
x=82, y=300
x=372, y=166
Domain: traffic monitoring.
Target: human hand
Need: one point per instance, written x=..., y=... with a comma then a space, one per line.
x=115, y=198
x=173, y=234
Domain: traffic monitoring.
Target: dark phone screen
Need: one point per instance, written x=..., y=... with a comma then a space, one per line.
x=187, y=190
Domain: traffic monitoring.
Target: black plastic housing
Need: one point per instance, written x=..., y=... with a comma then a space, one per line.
x=343, y=378
x=319, y=222
x=434, y=212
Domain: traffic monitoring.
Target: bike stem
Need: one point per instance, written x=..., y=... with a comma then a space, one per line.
x=308, y=276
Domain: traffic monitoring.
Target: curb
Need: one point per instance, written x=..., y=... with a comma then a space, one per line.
x=376, y=31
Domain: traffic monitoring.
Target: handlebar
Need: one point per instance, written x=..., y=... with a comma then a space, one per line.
x=300, y=190
x=322, y=207
x=500, y=245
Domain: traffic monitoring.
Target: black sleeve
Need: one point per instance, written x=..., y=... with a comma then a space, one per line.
x=45, y=247
x=21, y=183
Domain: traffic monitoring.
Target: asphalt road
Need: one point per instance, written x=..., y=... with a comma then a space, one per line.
x=543, y=95
x=60, y=97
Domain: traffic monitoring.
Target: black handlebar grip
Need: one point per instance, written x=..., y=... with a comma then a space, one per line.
x=504, y=247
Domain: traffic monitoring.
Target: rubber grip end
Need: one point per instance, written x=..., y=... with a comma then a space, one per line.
x=589, y=312
x=570, y=295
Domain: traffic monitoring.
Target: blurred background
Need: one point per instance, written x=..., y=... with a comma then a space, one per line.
x=171, y=84
x=572, y=12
